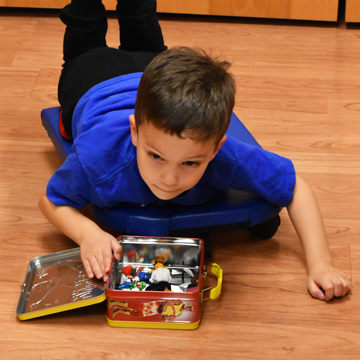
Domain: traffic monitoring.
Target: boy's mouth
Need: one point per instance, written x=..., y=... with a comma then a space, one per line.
x=165, y=194
x=165, y=190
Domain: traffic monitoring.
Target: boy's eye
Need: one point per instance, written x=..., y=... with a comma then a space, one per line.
x=190, y=163
x=155, y=156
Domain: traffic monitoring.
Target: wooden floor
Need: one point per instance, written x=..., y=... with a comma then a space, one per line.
x=298, y=92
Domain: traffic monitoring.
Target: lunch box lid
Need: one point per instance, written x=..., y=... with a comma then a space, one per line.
x=56, y=283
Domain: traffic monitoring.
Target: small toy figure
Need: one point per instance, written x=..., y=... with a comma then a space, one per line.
x=133, y=256
x=159, y=259
x=143, y=276
x=131, y=272
x=160, y=273
x=162, y=255
x=157, y=265
x=161, y=286
x=133, y=285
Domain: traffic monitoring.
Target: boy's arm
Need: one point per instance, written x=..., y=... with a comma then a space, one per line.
x=96, y=245
x=324, y=281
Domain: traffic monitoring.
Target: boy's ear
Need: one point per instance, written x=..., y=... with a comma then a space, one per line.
x=218, y=146
x=133, y=130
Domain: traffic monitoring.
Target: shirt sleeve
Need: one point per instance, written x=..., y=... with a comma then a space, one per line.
x=264, y=173
x=69, y=185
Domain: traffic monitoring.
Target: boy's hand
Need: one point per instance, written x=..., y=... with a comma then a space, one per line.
x=326, y=282
x=96, y=245
x=96, y=254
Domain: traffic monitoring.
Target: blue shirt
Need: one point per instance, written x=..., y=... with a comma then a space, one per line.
x=102, y=169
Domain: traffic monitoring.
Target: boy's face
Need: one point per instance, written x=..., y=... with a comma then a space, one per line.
x=170, y=165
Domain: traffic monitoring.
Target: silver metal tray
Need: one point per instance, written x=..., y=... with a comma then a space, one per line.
x=55, y=283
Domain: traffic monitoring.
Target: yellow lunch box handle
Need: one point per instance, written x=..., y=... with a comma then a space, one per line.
x=217, y=271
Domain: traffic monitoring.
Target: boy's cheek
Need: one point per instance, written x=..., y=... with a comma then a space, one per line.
x=146, y=169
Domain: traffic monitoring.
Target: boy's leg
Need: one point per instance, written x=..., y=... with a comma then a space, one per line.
x=86, y=26
x=96, y=62
x=139, y=26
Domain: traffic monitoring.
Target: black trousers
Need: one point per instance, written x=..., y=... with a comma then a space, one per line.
x=89, y=61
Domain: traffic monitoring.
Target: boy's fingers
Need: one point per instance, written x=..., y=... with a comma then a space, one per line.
x=346, y=287
x=316, y=292
x=329, y=285
x=97, y=266
x=338, y=287
x=333, y=288
x=107, y=261
x=87, y=268
x=329, y=290
x=342, y=286
x=346, y=284
x=116, y=247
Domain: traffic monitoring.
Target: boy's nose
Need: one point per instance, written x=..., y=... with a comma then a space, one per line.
x=169, y=178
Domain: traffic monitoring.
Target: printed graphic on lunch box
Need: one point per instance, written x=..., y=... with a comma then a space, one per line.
x=170, y=310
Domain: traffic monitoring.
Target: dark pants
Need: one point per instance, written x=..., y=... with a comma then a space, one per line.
x=89, y=61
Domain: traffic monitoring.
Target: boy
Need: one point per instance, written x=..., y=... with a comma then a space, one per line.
x=175, y=148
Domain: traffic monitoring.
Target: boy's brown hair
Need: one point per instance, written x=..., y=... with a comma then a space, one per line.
x=186, y=92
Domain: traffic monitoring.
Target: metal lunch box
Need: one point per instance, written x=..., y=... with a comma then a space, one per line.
x=148, y=297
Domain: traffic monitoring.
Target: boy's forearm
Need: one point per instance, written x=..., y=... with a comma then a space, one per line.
x=96, y=245
x=307, y=220
x=324, y=281
x=67, y=219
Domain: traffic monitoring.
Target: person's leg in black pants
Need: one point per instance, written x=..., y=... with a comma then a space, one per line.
x=86, y=27
x=139, y=26
x=87, y=59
